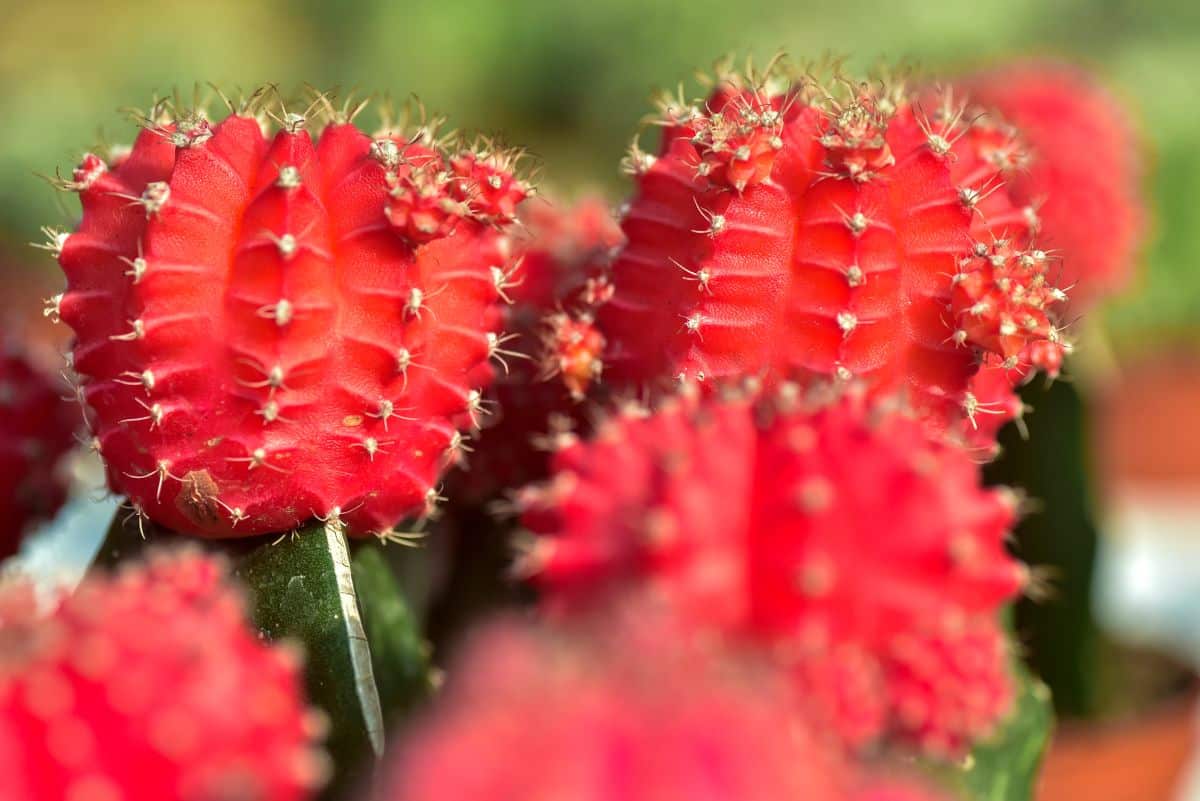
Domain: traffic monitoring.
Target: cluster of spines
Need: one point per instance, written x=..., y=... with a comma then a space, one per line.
x=565, y=265
x=835, y=252
x=431, y=192
x=330, y=296
x=737, y=139
x=573, y=349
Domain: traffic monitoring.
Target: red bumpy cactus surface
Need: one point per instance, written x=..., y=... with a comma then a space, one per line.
x=1083, y=174
x=553, y=353
x=271, y=327
x=36, y=431
x=790, y=230
x=860, y=551
x=148, y=685
x=627, y=712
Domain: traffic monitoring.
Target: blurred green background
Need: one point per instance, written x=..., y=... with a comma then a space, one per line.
x=570, y=79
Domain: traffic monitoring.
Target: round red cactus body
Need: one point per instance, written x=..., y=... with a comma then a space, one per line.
x=867, y=236
x=858, y=550
x=1083, y=172
x=36, y=431
x=149, y=686
x=272, y=328
x=610, y=718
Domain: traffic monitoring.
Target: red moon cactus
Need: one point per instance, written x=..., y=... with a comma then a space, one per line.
x=632, y=711
x=856, y=231
x=271, y=328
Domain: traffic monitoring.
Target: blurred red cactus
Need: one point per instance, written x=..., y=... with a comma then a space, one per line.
x=274, y=329
x=630, y=712
x=150, y=686
x=864, y=554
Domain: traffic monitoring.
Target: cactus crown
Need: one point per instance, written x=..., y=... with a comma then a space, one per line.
x=279, y=316
x=799, y=224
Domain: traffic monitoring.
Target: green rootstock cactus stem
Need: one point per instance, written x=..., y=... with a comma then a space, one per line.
x=400, y=655
x=479, y=581
x=1005, y=766
x=1058, y=538
x=365, y=661
x=303, y=589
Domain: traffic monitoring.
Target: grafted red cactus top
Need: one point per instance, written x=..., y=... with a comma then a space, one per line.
x=788, y=229
x=272, y=327
x=854, y=547
x=150, y=685
x=37, y=429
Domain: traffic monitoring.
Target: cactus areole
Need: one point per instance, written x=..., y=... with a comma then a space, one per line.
x=276, y=326
x=790, y=228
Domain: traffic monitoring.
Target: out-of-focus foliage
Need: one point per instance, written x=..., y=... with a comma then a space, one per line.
x=570, y=79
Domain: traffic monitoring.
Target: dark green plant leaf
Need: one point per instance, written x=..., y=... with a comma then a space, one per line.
x=363, y=653
x=479, y=580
